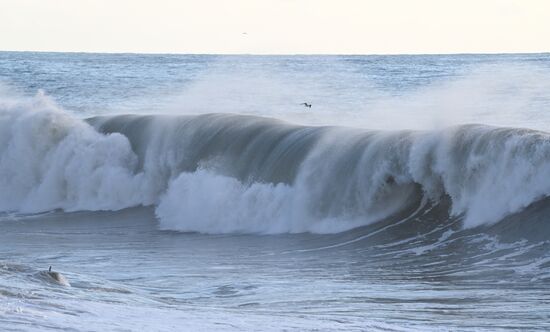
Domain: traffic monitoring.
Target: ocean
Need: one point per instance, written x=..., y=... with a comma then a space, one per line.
x=198, y=193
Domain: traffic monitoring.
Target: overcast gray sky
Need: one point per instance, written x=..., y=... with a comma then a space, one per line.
x=276, y=26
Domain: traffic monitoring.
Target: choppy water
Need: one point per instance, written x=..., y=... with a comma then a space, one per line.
x=196, y=193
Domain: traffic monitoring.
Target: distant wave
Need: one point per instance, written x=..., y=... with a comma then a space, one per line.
x=218, y=173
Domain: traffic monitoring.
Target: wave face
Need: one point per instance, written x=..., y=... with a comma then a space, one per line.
x=218, y=173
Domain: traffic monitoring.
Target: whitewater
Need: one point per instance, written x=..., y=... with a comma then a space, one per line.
x=197, y=193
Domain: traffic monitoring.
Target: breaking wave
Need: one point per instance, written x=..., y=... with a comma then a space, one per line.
x=218, y=173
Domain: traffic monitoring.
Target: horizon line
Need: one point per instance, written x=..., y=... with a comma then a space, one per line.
x=282, y=54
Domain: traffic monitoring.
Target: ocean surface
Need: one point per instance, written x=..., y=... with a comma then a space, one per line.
x=198, y=193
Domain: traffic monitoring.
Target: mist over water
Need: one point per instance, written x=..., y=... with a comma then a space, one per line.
x=411, y=195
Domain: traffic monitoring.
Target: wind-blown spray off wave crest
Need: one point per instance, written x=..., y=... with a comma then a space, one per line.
x=229, y=173
x=50, y=160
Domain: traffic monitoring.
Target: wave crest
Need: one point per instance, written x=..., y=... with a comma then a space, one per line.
x=220, y=173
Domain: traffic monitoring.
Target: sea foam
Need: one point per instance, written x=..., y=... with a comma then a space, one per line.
x=219, y=173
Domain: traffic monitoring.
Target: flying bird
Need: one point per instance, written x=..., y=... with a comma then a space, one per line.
x=306, y=105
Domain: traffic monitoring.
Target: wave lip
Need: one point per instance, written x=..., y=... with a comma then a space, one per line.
x=219, y=173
